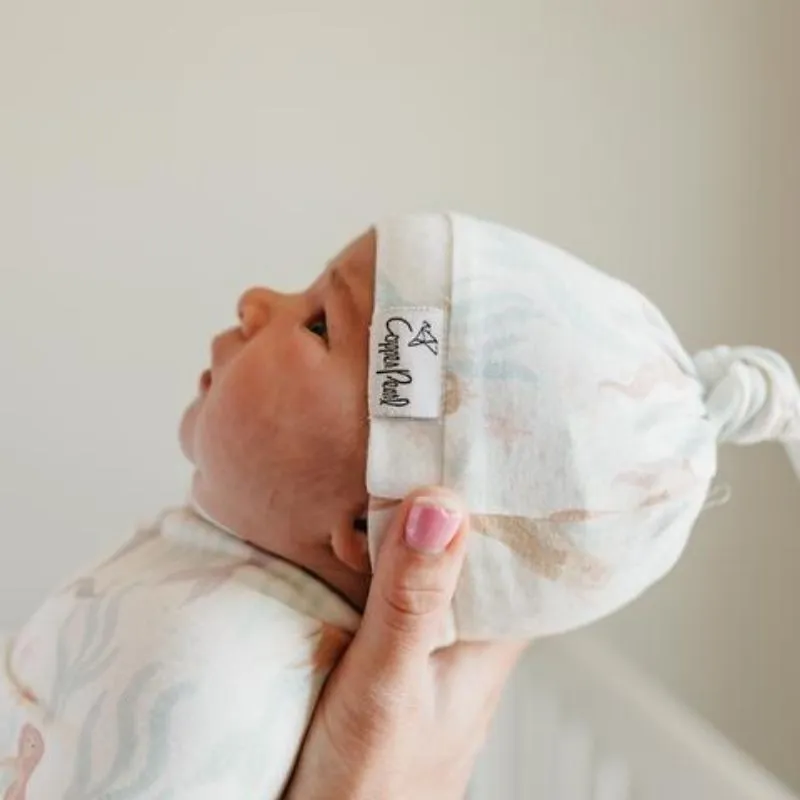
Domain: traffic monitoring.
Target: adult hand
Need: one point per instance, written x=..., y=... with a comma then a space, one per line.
x=399, y=718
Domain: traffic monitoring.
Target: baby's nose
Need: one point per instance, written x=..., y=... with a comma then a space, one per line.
x=255, y=307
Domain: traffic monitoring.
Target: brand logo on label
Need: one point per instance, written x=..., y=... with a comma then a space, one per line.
x=395, y=374
x=425, y=338
x=408, y=346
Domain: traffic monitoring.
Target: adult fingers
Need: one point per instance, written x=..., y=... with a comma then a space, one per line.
x=409, y=605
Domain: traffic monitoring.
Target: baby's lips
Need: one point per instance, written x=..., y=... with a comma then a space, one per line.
x=205, y=381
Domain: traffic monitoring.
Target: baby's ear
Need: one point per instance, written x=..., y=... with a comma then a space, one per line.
x=349, y=544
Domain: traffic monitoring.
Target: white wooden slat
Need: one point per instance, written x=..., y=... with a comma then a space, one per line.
x=574, y=763
x=612, y=780
x=580, y=723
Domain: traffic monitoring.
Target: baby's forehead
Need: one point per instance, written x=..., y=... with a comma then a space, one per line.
x=353, y=268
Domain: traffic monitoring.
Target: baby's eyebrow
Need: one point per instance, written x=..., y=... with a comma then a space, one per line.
x=340, y=284
x=344, y=288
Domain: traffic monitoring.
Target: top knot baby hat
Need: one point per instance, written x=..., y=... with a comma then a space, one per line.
x=561, y=406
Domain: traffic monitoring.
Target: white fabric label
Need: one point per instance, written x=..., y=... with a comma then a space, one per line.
x=406, y=357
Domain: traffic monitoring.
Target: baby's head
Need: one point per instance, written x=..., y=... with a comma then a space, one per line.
x=278, y=431
x=442, y=350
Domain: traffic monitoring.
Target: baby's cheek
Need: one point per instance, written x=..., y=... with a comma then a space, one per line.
x=235, y=426
x=326, y=410
x=342, y=411
x=335, y=394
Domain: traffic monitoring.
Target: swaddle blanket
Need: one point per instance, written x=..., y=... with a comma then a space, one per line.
x=560, y=404
x=186, y=667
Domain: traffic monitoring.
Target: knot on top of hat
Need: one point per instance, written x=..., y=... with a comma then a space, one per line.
x=752, y=394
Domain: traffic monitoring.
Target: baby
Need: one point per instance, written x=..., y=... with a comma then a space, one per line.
x=434, y=350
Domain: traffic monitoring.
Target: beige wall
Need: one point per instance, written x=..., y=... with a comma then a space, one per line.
x=157, y=156
x=723, y=629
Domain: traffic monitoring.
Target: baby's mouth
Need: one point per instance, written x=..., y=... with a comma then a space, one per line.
x=205, y=381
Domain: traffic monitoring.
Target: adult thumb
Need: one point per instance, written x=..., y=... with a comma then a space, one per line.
x=408, y=611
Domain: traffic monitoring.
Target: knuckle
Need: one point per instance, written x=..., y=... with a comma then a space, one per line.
x=410, y=604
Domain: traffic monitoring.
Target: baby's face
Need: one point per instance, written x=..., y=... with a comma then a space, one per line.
x=278, y=431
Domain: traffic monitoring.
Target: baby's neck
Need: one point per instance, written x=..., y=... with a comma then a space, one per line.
x=327, y=568
x=319, y=562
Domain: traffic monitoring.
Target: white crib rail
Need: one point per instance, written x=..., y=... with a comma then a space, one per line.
x=579, y=723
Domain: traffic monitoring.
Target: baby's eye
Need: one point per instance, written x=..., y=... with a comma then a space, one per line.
x=319, y=327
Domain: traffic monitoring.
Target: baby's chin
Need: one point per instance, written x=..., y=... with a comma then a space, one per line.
x=187, y=429
x=196, y=494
